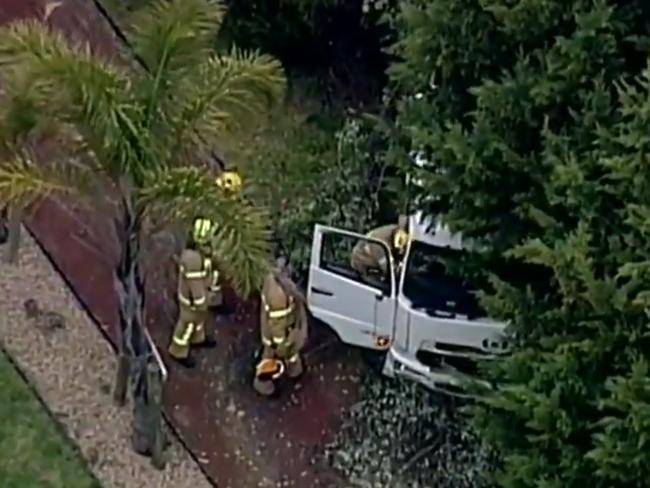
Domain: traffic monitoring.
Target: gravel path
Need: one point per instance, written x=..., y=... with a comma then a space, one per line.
x=73, y=369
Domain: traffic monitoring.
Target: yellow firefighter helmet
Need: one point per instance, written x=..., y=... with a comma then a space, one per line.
x=229, y=181
x=269, y=369
x=202, y=230
x=400, y=240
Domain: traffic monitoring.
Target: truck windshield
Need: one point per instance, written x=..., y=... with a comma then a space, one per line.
x=432, y=284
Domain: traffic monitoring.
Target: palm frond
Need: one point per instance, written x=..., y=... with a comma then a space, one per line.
x=19, y=117
x=23, y=181
x=24, y=123
x=77, y=88
x=241, y=243
x=221, y=94
x=170, y=37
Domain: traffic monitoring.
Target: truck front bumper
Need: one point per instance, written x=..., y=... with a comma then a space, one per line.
x=443, y=380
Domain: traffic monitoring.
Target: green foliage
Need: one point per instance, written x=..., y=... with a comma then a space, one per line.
x=190, y=191
x=293, y=30
x=337, y=42
x=132, y=131
x=316, y=168
x=534, y=119
x=22, y=182
x=33, y=453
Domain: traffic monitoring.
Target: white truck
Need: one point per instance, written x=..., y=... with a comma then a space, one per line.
x=427, y=324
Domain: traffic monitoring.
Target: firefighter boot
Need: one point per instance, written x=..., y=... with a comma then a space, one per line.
x=186, y=362
x=200, y=337
x=295, y=367
x=209, y=342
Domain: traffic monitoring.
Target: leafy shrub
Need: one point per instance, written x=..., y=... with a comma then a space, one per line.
x=316, y=168
x=534, y=116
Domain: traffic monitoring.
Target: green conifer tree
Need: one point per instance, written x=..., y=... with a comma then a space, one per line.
x=534, y=117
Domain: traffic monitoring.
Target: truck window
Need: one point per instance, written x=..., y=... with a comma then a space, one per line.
x=432, y=283
x=336, y=257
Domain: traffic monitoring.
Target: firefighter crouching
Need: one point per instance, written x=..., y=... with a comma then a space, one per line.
x=283, y=327
x=369, y=259
x=195, y=279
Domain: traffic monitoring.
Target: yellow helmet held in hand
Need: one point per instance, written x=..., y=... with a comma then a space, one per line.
x=229, y=181
x=400, y=240
x=269, y=369
x=202, y=230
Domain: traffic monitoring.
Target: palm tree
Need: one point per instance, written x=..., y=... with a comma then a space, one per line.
x=133, y=137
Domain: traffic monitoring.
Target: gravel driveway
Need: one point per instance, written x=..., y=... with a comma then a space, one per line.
x=73, y=368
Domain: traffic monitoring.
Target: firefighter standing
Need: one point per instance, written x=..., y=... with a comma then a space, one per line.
x=283, y=328
x=369, y=258
x=194, y=282
x=199, y=287
x=230, y=182
x=214, y=293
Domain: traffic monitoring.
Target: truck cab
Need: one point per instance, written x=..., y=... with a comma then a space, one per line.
x=426, y=322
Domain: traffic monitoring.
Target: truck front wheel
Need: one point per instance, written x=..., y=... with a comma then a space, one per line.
x=374, y=360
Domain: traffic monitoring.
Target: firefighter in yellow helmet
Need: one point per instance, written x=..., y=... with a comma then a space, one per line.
x=370, y=259
x=230, y=182
x=283, y=328
x=194, y=284
x=202, y=234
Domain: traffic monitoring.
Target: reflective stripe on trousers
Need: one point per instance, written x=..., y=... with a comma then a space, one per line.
x=184, y=340
x=195, y=275
x=191, y=303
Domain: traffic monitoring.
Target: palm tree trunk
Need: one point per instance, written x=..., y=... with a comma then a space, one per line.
x=14, y=220
x=134, y=350
x=4, y=229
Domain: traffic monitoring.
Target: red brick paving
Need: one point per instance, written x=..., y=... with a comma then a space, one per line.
x=240, y=440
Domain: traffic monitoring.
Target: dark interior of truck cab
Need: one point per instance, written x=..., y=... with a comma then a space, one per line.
x=432, y=282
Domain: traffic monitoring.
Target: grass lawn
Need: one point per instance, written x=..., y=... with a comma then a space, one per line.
x=33, y=452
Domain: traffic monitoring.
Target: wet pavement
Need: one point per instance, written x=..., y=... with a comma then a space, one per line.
x=240, y=439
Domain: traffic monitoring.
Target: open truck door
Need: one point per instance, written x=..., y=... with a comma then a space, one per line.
x=361, y=312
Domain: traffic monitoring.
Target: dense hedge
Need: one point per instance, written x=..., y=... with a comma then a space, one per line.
x=534, y=116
